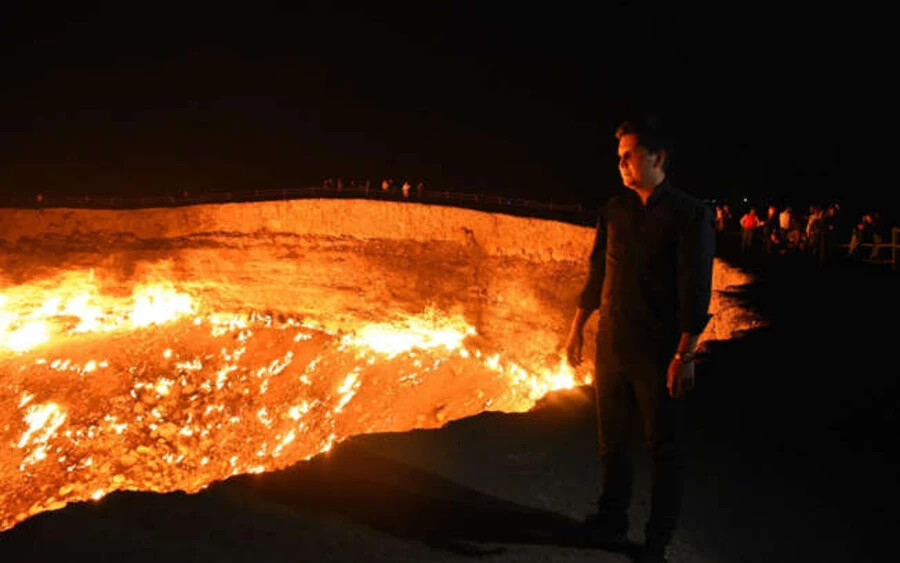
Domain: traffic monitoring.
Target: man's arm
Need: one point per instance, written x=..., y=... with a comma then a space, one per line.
x=688, y=343
x=589, y=298
x=680, y=374
x=696, y=248
x=575, y=339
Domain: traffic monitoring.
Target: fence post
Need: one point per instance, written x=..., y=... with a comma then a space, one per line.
x=895, y=242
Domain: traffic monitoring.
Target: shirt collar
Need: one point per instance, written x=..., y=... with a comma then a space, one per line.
x=658, y=193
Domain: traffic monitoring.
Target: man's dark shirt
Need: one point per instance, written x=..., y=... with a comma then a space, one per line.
x=650, y=275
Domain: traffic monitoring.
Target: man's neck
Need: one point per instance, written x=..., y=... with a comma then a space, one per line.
x=645, y=192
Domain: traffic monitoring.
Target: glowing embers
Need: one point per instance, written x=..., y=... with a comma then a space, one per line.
x=33, y=314
x=42, y=423
x=214, y=394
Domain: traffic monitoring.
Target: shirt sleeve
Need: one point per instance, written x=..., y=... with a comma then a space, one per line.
x=589, y=299
x=696, y=247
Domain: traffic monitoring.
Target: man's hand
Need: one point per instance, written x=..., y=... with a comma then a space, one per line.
x=574, y=344
x=680, y=378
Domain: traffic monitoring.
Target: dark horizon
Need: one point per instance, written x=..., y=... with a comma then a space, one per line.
x=515, y=102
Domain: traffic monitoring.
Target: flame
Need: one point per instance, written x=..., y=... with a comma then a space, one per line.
x=427, y=331
x=157, y=304
x=40, y=311
x=196, y=396
x=32, y=334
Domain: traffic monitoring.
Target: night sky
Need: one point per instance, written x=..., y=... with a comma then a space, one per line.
x=514, y=100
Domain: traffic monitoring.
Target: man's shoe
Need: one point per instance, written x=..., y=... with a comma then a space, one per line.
x=653, y=552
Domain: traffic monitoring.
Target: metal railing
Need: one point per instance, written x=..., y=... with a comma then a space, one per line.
x=894, y=245
x=517, y=206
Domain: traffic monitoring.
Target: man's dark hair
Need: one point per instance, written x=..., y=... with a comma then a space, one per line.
x=651, y=134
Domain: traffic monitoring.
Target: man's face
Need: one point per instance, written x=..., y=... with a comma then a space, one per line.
x=637, y=166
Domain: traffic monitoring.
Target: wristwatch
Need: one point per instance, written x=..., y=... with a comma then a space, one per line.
x=685, y=357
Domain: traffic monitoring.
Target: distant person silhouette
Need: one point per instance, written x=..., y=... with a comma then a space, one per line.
x=785, y=218
x=749, y=223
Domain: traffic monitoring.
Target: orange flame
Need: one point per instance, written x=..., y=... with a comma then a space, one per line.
x=33, y=314
x=192, y=396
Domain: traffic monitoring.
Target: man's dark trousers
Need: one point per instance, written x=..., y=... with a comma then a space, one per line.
x=619, y=391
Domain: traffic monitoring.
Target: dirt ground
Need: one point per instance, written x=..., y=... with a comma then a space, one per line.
x=788, y=456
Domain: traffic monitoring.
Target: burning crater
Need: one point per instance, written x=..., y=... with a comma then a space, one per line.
x=166, y=349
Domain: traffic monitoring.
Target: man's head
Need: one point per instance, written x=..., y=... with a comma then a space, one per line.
x=644, y=153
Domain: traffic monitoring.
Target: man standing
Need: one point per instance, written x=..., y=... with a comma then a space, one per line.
x=749, y=223
x=786, y=220
x=651, y=277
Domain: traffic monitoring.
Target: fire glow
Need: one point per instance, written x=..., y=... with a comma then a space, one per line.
x=156, y=390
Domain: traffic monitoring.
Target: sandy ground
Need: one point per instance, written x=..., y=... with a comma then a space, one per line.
x=788, y=456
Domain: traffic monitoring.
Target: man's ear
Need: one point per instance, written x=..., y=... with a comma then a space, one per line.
x=660, y=157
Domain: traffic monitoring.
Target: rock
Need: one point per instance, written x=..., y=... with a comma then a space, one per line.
x=56, y=504
x=167, y=430
x=65, y=489
x=128, y=460
x=119, y=402
x=139, y=408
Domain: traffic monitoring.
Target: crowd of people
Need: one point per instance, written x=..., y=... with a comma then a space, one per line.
x=388, y=186
x=821, y=232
